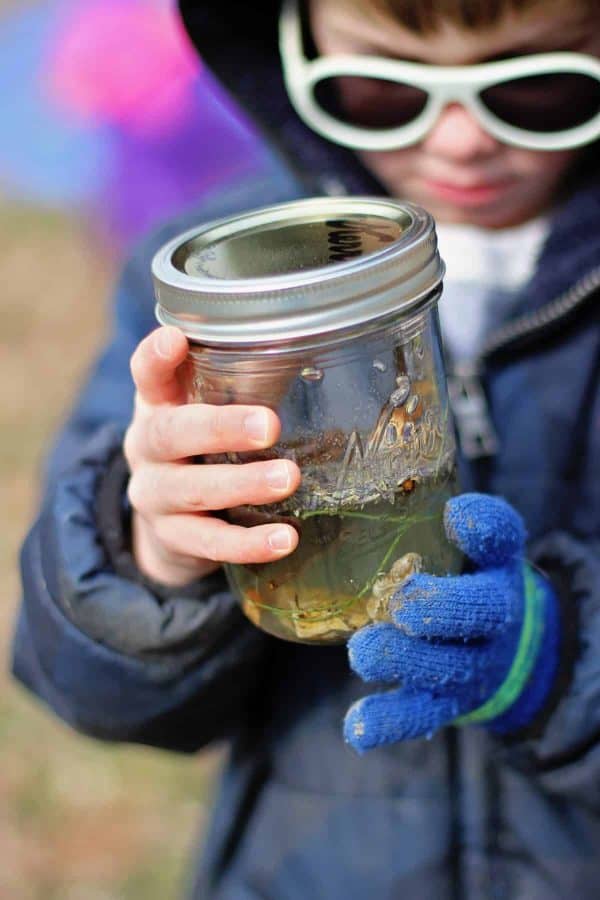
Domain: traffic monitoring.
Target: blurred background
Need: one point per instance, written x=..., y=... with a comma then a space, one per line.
x=110, y=125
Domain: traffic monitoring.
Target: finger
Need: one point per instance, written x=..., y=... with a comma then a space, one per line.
x=207, y=537
x=487, y=529
x=384, y=653
x=154, y=365
x=466, y=606
x=372, y=653
x=396, y=716
x=170, y=433
x=173, y=488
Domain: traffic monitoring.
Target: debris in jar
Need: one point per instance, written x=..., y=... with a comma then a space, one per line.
x=327, y=618
x=385, y=586
x=322, y=629
x=251, y=606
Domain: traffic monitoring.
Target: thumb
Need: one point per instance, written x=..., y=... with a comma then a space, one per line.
x=154, y=365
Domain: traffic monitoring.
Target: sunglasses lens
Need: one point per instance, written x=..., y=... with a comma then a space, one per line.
x=372, y=103
x=545, y=103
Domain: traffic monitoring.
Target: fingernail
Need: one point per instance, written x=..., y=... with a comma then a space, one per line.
x=256, y=425
x=280, y=539
x=277, y=476
x=164, y=343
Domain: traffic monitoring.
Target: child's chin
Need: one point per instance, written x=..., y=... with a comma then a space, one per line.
x=483, y=217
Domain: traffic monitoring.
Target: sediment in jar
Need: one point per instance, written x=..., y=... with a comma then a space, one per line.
x=350, y=562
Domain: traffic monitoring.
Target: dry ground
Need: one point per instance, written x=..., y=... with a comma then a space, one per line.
x=79, y=820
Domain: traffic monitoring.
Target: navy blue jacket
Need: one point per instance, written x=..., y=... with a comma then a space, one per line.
x=300, y=815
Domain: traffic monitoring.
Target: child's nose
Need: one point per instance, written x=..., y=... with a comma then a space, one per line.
x=457, y=135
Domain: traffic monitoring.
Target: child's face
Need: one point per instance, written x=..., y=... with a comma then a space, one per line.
x=459, y=172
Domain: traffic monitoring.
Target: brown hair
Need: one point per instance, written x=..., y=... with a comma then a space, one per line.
x=423, y=16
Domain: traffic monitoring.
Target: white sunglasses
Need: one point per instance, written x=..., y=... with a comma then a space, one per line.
x=545, y=101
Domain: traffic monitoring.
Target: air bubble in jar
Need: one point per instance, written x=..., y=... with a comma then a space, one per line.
x=310, y=374
x=398, y=397
x=379, y=365
x=412, y=404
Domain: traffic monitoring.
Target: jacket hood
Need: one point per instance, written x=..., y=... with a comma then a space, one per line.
x=239, y=42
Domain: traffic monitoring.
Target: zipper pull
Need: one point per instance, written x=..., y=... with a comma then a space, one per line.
x=476, y=432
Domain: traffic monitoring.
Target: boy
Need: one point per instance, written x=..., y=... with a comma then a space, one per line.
x=137, y=638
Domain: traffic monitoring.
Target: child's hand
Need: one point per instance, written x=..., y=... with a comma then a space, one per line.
x=481, y=647
x=175, y=539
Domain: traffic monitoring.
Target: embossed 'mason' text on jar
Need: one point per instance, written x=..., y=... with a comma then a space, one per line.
x=325, y=310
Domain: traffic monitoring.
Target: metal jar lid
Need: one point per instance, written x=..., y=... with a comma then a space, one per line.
x=297, y=269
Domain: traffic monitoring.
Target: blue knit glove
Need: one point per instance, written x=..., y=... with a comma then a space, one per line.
x=481, y=647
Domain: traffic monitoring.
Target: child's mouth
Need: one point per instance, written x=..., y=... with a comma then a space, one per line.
x=471, y=196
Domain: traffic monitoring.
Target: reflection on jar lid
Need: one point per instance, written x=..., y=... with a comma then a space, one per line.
x=297, y=269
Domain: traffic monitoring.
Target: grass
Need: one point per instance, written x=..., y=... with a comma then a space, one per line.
x=79, y=820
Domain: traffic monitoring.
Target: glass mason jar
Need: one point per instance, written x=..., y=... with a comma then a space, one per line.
x=325, y=310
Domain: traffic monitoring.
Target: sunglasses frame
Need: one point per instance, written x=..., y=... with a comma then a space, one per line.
x=443, y=84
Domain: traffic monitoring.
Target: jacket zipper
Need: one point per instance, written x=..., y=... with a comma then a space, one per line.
x=478, y=440
x=475, y=428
